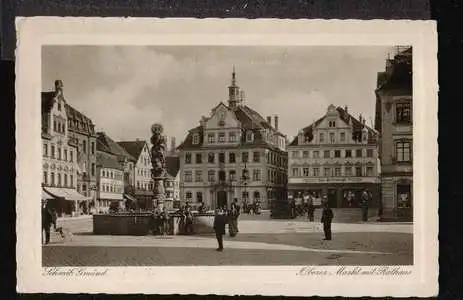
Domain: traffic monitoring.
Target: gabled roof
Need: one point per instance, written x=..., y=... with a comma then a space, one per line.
x=134, y=148
x=106, y=160
x=107, y=144
x=346, y=117
x=172, y=165
x=401, y=75
x=48, y=99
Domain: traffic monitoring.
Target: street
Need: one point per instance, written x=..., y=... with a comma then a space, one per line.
x=260, y=242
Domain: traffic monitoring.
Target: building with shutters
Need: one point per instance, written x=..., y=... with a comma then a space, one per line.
x=233, y=153
x=394, y=122
x=336, y=156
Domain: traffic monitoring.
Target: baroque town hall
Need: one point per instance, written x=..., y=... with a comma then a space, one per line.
x=233, y=153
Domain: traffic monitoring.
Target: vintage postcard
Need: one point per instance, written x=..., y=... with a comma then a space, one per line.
x=232, y=156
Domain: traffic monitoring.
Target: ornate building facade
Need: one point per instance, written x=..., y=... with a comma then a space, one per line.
x=110, y=178
x=233, y=153
x=394, y=122
x=60, y=156
x=336, y=156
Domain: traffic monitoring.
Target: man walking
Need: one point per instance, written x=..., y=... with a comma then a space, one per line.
x=219, y=227
x=234, y=214
x=364, y=201
x=327, y=218
x=47, y=221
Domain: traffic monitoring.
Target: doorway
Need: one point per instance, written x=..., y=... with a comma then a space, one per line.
x=332, y=198
x=222, y=199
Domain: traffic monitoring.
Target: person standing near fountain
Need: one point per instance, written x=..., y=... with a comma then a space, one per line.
x=219, y=227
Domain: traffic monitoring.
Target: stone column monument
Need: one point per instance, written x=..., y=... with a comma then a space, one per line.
x=158, y=172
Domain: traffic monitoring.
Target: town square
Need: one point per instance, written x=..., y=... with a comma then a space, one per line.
x=274, y=156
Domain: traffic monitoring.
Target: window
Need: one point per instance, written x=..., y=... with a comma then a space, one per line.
x=221, y=137
x=249, y=136
x=369, y=152
x=245, y=156
x=358, y=153
x=71, y=181
x=188, y=176
x=232, y=175
x=305, y=172
x=337, y=172
x=52, y=178
x=255, y=175
x=348, y=171
x=138, y=185
x=245, y=195
x=403, y=113
x=316, y=172
x=322, y=137
x=343, y=136
x=211, y=138
x=65, y=154
x=295, y=172
x=211, y=175
x=45, y=150
x=231, y=158
x=256, y=157
x=332, y=138
x=222, y=176
x=245, y=174
x=52, y=150
x=256, y=195
x=295, y=153
x=199, y=158
x=337, y=153
x=332, y=123
x=188, y=158
x=358, y=171
x=93, y=169
x=45, y=177
x=316, y=154
x=195, y=138
x=222, y=158
x=402, y=151
x=326, y=172
x=55, y=129
x=84, y=146
x=210, y=157
x=370, y=171
x=199, y=197
x=232, y=137
x=326, y=153
x=59, y=179
x=93, y=147
x=65, y=180
x=59, y=153
x=188, y=196
x=404, y=196
x=71, y=155
x=305, y=154
x=348, y=153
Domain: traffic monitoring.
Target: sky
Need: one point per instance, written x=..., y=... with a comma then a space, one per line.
x=125, y=89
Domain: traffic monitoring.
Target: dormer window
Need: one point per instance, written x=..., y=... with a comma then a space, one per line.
x=332, y=124
x=211, y=138
x=249, y=136
x=195, y=138
x=222, y=137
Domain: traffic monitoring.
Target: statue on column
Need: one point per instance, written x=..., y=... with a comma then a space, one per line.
x=158, y=171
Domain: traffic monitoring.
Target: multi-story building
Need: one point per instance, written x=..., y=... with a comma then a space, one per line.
x=233, y=153
x=394, y=122
x=59, y=156
x=110, y=178
x=139, y=150
x=172, y=182
x=336, y=156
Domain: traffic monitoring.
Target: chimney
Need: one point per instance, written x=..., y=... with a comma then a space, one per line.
x=276, y=122
x=58, y=86
x=172, y=144
x=269, y=120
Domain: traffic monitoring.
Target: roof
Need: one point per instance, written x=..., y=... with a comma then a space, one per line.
x=106, y=144
x=172, y=165
x=134, y=148
x=401, y=74
x=79, y=121
x=249, y=120
x=106, y=160
x=48, y=99
x=346, y=117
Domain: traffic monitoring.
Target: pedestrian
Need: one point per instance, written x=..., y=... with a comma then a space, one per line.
x=235, y=213
x=219, y=227
x=188, y=221
x=47, y=221
x=310, y=208
x=163, y=221
x=327, y=218
x=364, y=202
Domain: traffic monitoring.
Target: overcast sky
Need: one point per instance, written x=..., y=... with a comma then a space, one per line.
x=126, y=89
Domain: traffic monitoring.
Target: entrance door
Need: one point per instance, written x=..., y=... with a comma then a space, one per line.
x=332, y=198
x=222, y=199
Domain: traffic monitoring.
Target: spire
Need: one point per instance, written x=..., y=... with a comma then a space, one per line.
x=234, y=76
x=233, y=91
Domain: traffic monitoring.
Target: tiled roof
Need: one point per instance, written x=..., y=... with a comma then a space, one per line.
x=172, y=165
x=346, y=117
x=249, y=120
x=79, y=121
x=134, y=148
x=109, y=145
x=106, y=160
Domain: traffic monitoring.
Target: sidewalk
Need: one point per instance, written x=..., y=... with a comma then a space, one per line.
x=81, y=217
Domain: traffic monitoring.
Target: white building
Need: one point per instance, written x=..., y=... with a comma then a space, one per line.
x=110, y=182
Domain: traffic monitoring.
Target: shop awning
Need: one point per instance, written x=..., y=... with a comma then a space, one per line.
x=75, y=196
x=130, y=197
x=56, y=192
x=67, y=194
x=46, y=195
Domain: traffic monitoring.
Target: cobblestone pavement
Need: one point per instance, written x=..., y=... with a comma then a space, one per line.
x=258, y=243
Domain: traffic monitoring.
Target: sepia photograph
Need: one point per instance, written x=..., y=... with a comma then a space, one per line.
x=229, y=155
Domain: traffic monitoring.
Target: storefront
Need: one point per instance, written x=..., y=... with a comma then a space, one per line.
x=66, y=202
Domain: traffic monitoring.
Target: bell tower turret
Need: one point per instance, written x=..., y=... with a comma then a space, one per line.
x=233, y=92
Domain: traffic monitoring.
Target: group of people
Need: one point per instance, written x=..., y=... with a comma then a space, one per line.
x=252, y=208
x=224, y=217
x=49, y=218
